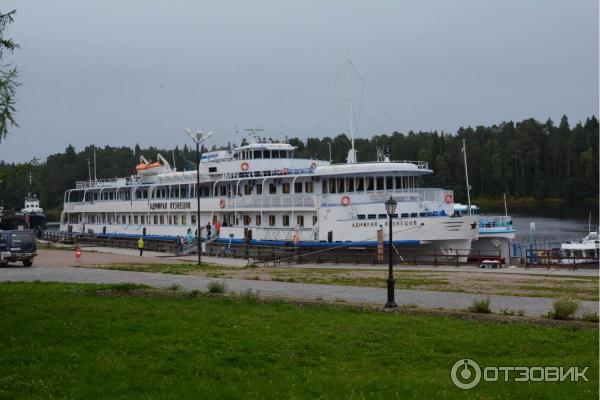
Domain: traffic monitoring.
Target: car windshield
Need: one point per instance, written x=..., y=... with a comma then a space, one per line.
x=21, y=238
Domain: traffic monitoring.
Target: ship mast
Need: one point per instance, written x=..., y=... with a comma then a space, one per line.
x=352, y=153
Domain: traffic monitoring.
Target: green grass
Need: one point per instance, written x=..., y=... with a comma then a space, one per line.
x=180, y=269
x=77, y=341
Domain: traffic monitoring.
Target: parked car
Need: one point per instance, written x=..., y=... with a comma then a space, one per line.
x=17, y=246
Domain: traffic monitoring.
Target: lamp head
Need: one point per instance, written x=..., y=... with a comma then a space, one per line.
x=390, y=206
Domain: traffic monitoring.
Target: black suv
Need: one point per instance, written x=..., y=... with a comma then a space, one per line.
x=17, y=246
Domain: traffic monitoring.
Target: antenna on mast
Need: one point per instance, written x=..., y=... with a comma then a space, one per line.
x=352, y=153
x=464, y=151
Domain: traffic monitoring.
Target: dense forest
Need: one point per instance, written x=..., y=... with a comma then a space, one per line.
x=523, y=159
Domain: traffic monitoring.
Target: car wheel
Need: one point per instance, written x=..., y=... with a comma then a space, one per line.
x=27, y=263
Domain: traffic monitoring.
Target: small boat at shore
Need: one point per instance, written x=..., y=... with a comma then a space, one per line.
x=584, y=251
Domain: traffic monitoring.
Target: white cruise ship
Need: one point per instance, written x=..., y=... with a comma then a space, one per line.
x=282, y=200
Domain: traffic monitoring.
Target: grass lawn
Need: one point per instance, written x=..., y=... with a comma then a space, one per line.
x=66, y=340
x=580, y=288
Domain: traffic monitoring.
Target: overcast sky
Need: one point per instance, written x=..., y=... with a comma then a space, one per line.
x=140, y=71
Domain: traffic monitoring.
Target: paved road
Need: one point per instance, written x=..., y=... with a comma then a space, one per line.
x=533, y=306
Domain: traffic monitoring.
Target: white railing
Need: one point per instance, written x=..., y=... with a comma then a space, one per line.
x=292, y=200
x=100, y=183
x=271, y=172
x=503, y=222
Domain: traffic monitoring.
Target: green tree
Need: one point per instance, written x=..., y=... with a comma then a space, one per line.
x=8, y=76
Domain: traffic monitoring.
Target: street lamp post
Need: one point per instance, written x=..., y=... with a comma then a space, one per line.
x=390, y=208
x=198, y=138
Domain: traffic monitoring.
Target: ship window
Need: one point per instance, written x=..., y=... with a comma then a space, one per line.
x=298, y=187
x=286, y=188
x=283, y=154
x=212, y=169
x=135, y=219
x=340, y=185
x=271, y=220
x=257, y=154
x=350, y=185
x=272, y=188
x=369, y=184
x=308, y=186
x=360, y=184
x=332, y=185
x=422, y=214
x=398, y=182
x=247, y=220
x=223, y=190
x=384, y=216
x=258, y=220
x=380, y=183
x=142, y=219
x=404, y=215
x=405, y=182
x=155, y=218
x=129, y=219
x=266, y=154
x=324, y=186
x=314, y=220
x=194, y=219
x=247, y=189
x=259, y=189
x=414, y=215
x=372, y=216
x=184, y=192
x=360, y=216
x=389, y=183
x=300, y=220
x=184, y=220
x=275, y=154
x=286, y=220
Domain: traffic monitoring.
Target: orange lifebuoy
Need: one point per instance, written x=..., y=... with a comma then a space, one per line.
x=245, y=166
x=296, y=238
x=222, y=203
x=345, y=200
x=313, y=165
x=449, y=198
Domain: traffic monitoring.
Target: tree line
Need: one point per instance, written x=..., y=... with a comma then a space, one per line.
x=523, y=159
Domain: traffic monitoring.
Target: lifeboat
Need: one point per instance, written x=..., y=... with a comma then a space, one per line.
x=146, y=168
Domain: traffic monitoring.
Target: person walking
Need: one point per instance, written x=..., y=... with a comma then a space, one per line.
x=208, y=230
x=141, y=246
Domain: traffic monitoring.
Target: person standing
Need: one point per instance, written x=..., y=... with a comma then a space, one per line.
x=217, y=228
x=140, y=245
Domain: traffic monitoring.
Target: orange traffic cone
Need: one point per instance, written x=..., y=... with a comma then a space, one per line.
x=77, y=253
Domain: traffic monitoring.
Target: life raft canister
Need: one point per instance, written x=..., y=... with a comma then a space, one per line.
x=245, y=166
x=345, y=200
x=449, y=198
x=222, y=203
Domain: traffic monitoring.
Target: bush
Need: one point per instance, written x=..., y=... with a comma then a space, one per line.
x=250, y=295
x=590, y=316
x=128, y=287
x=193, y=294
x=217, y=287
x=480, y=306
x=563, y=308
x=505, y=311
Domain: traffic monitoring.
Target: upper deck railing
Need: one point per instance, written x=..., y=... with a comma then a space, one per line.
x=101, y=183
x=498, y=222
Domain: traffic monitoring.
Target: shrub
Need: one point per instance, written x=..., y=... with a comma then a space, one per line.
x=590, y=316
x=250, y=295
x=563, y=308
x=505, y=311
x=128, y=287
x=480, y=306
x=174, y=287
x=193, y=294
x=217, y=287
